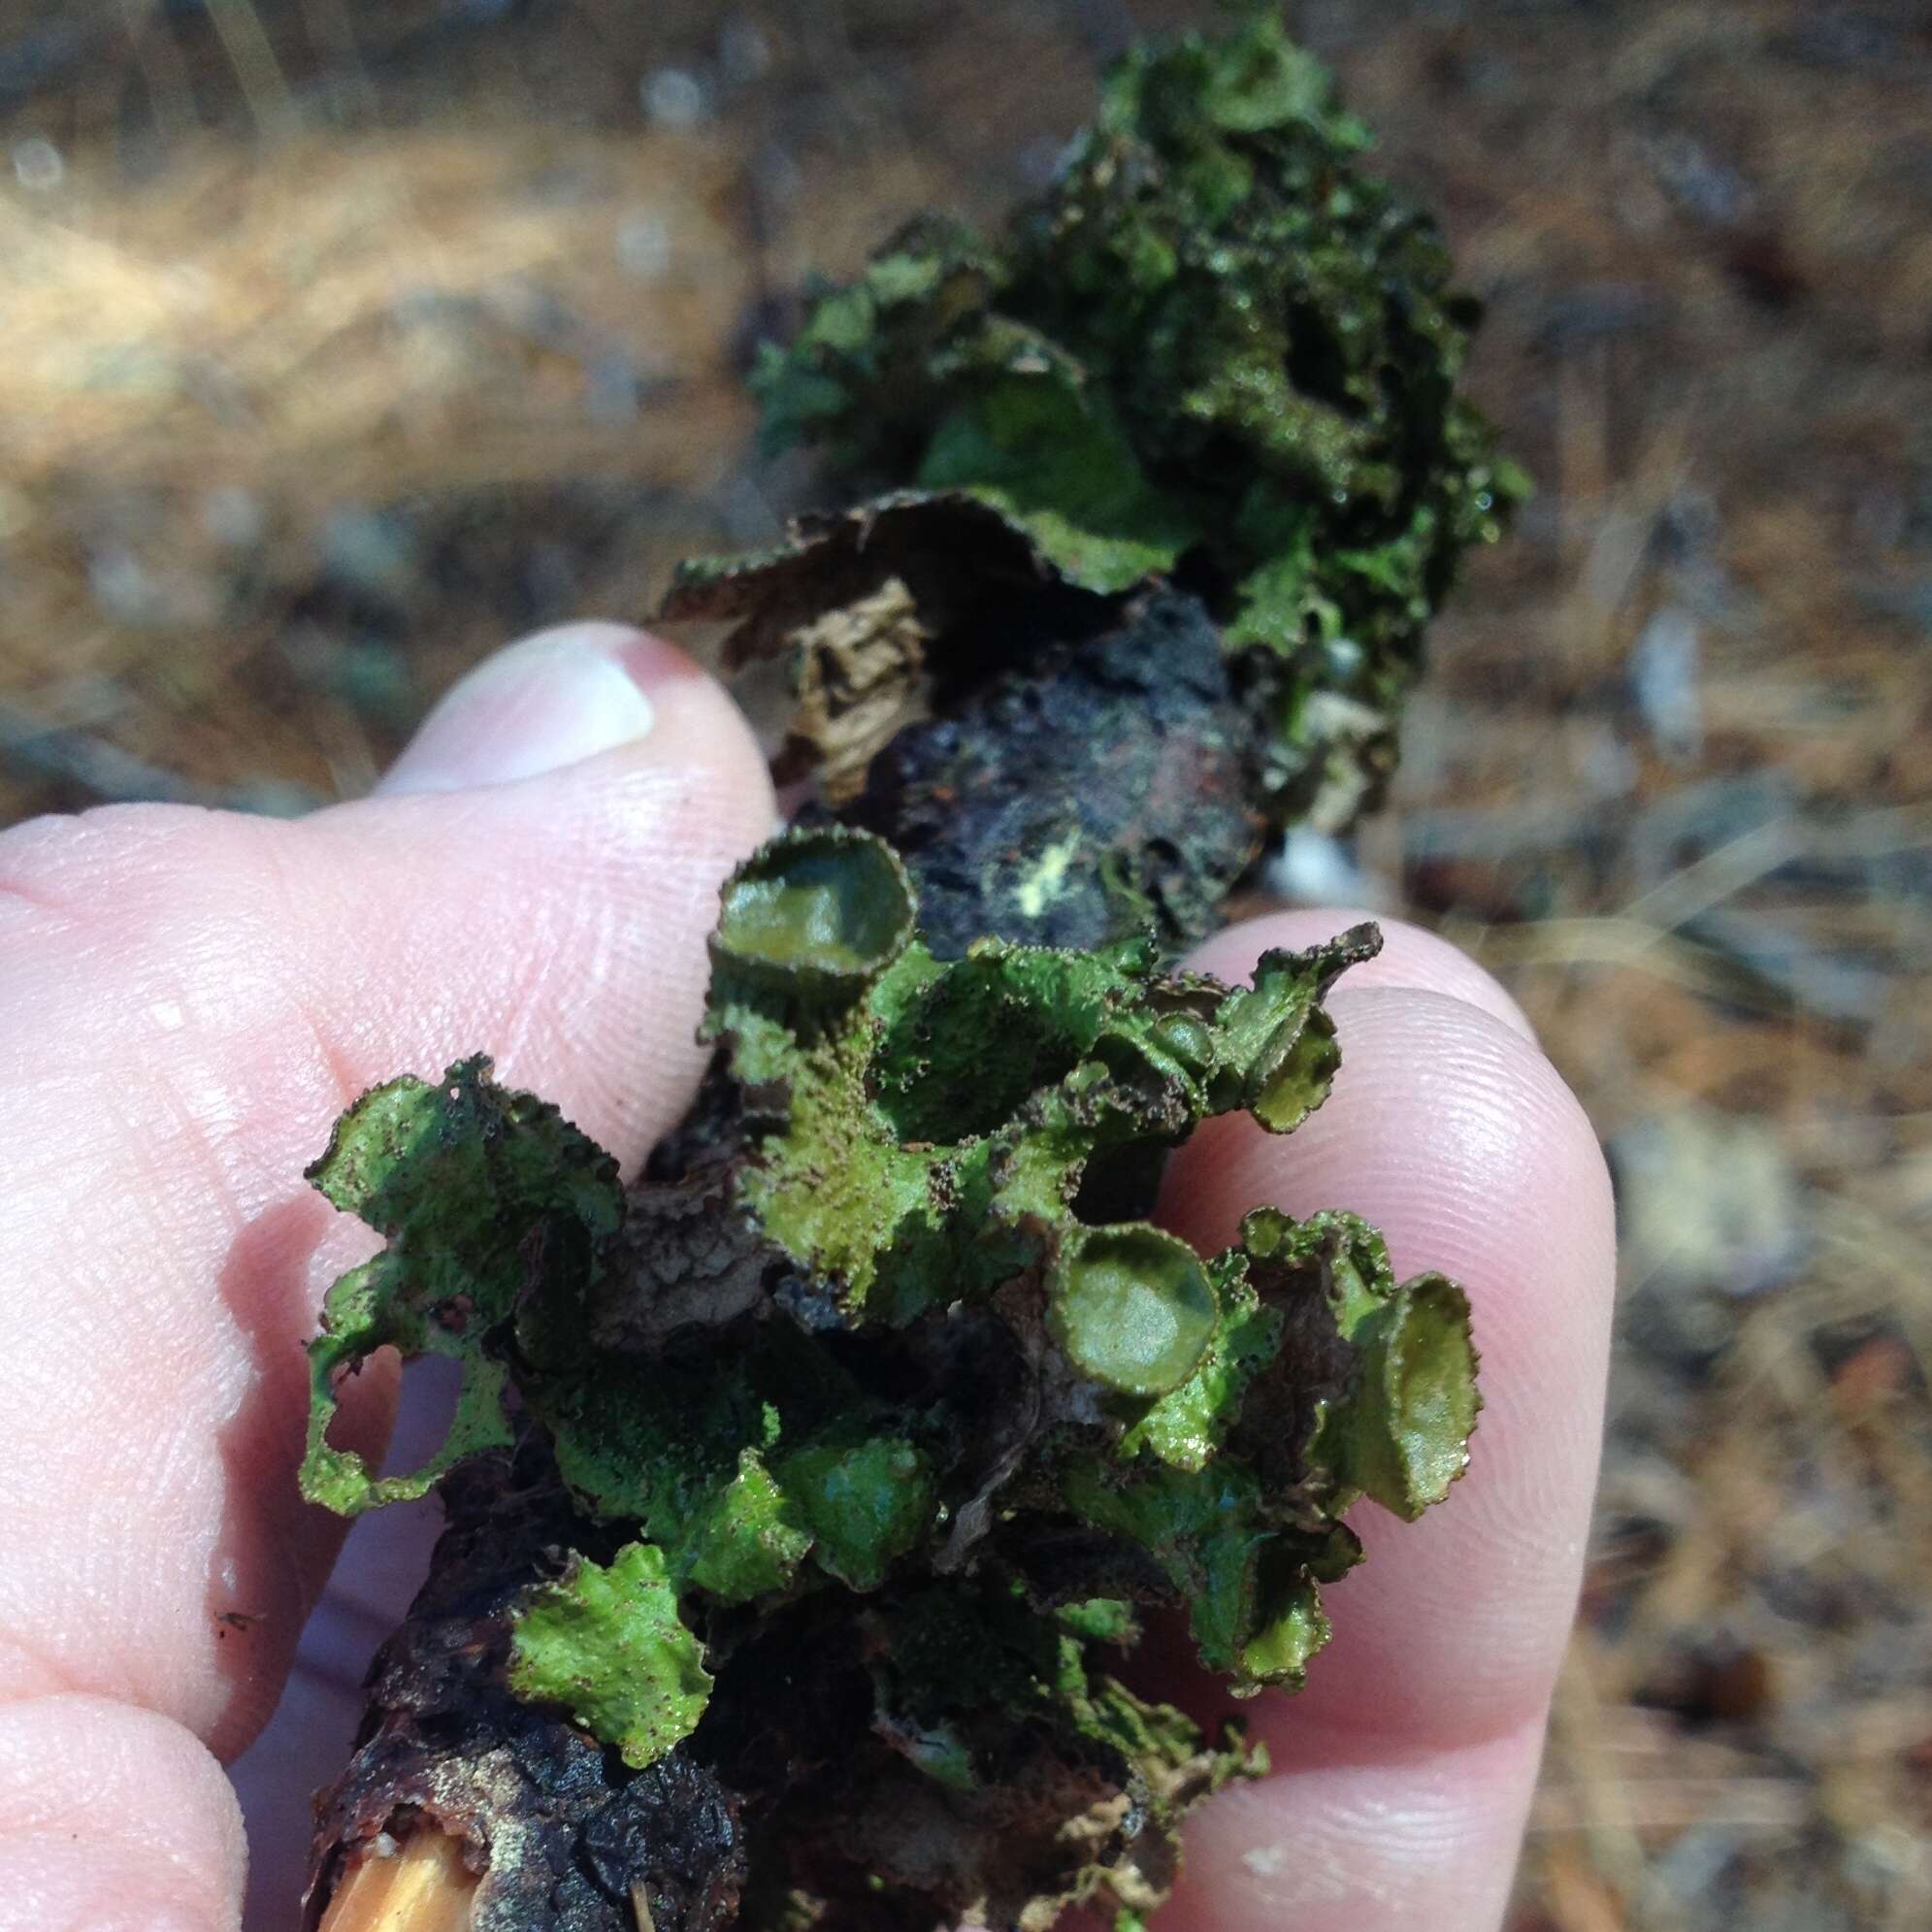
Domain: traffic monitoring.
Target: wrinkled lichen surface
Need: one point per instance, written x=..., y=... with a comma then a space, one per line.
x=807, y=1497
x=897, y=1391
x=1217, y=348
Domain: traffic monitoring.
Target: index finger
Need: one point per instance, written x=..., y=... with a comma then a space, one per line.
x=1403, y=1771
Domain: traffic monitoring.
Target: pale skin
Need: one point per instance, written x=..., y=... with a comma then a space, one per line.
x=187, y=999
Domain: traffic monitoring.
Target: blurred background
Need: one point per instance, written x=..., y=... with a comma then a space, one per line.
x=343, y=339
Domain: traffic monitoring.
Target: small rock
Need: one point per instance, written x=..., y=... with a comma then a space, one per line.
x=673, y=98
x=1665, y=664
x=232, y=516
x=367, y=551
x=1315, y=869
x=744, y=54
x=124, y=587
x=643, y=245
x=37, y=165
x=1706, y=1201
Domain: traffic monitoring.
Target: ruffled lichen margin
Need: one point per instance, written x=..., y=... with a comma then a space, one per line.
x=807, y=1495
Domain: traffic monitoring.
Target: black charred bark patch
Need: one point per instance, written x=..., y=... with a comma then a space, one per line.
x=1147, y=820
x=562, y=1835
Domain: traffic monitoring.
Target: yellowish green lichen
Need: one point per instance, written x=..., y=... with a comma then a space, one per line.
x=604, y=1642
x=878, y=1413
x=929, y=1148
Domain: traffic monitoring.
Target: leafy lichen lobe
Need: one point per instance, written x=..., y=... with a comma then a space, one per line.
x=1217, y=346
x=605, y=1641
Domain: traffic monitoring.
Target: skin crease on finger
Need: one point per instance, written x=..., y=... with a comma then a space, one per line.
x=71, y=1765
x=189, y=999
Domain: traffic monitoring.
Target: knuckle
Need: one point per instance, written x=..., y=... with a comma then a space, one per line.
x=66, y=868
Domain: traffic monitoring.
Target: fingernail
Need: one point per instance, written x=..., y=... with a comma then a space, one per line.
x=551, y=700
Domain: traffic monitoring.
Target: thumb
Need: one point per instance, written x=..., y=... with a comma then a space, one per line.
x=536, y=874
x=189, y=999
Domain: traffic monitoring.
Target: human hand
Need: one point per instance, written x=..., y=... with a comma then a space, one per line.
x=189, y=999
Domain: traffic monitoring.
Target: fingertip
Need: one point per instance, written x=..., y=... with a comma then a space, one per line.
x=112, y=1815
x=554, y=918
x=549, y=700
x=1364, y=1845
x=1441, y=1111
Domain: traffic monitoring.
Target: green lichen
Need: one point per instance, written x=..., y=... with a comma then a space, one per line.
x=867, y=1504
x=928, y=1141
x=832, y=912
x=1216, y=344
x=870, y=1423
x=752, y=1538
x=1132, y=1307
x=928, y=1127
x=472, y=1186
x=606, y=1643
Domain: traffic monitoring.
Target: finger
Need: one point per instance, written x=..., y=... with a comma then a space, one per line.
x=190, y=998
x=1404, y=1768
x=1384, y=1845
x=170, y=1858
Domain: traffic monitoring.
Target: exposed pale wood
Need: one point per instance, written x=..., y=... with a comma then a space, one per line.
x=422, y=1887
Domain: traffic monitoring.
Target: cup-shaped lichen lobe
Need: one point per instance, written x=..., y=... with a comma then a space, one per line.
x=1427, y=1363
x=1290, y=1077
x=1132, y=1307
x=819, y=910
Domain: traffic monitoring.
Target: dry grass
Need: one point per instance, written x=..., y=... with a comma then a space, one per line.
x=352, y=338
